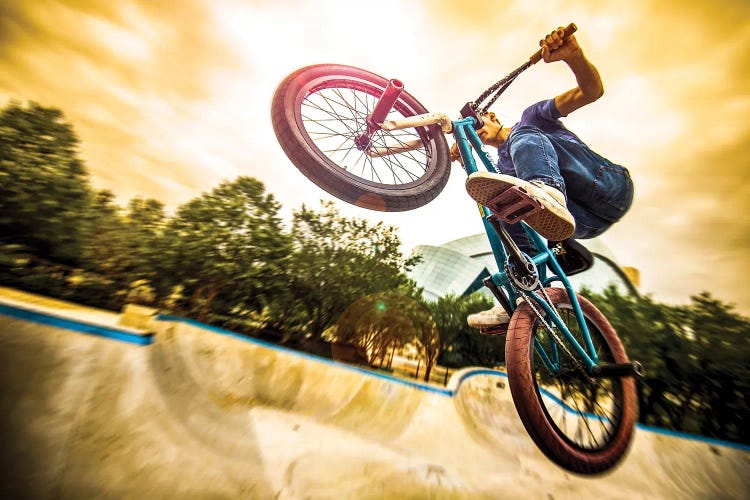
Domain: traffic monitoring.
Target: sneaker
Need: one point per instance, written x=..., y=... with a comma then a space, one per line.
x=554, y=222
x=488, y=319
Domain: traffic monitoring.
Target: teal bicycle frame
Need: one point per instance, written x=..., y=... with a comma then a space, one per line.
x=467, y=139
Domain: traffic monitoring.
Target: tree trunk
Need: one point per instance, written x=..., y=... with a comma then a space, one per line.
x=212, y=293
x=427, y=370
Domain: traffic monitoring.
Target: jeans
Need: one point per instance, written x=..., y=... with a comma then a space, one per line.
x=598, y=192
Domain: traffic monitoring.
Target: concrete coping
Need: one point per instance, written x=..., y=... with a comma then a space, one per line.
x=138, y=317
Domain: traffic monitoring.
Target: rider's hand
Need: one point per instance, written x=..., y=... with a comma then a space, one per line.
x=557, y=48
x=455, y=155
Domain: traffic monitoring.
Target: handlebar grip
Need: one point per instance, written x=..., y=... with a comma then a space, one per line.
x=569, y=30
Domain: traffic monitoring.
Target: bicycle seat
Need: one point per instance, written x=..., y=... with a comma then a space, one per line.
x=573, y=257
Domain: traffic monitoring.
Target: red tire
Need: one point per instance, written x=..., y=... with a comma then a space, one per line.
x=319, y=115
x=550, y=402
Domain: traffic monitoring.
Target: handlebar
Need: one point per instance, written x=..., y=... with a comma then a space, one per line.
x=499, y=87
x=569, y=30
x=376, y=119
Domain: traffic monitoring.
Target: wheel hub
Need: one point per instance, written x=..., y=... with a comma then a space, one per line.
x=363, y=142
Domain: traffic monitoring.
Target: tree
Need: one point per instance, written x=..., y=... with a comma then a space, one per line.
x=462, y=345
x=695, y=360
x=654, y=335
x=427, y=336
x=146, y=214
x=336, y=261
x=44, y=189
x=104, y=253
x=379, y=323
x=227, y=248
x=721, y=350
x=145, y=222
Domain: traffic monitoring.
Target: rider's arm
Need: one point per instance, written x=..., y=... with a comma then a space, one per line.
x=590, y=87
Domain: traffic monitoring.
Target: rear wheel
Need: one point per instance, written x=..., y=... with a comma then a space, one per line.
x=583, y=424
x=319, y=116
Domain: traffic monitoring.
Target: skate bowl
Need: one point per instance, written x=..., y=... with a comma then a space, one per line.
x=188, y=410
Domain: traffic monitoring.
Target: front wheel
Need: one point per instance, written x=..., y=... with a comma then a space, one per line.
x=319, y=115
x=583, y=424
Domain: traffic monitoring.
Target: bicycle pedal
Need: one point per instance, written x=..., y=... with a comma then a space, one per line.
x=494, y=330
x=514, y=204
x=616, y=370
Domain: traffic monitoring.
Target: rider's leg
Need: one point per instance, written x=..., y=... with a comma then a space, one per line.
x=537, y=173
x=588, y=224
x=520, y=238
x=534, y=157
x=494, y=320
x=602, y=191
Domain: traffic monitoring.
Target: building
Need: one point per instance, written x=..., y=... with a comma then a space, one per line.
x=460, y=266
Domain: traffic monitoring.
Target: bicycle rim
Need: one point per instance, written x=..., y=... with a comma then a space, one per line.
x=333, y=115
x=583, y=424
x=583, y=411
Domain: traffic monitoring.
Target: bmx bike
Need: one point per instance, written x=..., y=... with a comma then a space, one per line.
x=365, y=140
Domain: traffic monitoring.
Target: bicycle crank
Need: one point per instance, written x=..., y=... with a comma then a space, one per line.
x=523, y=275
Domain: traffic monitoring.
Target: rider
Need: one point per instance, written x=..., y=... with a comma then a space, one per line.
x=581, y=192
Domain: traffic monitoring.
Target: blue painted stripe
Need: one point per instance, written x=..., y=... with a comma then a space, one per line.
x=123, y=336
x=694, y=437
x=417, y=385
x=77, y=326
x=475, y=373
x=304, y=355
x=647, y=428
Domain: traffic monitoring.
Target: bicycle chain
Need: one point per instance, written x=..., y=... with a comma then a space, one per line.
x=551, y=331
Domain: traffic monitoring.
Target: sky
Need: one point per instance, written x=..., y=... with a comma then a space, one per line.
x=171, y=98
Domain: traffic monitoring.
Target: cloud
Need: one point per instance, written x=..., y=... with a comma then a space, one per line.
x=128, y=75
x=171, y=99
x=674, y=111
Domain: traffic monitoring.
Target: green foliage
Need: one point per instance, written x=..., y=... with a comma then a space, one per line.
x=697, y=375
x=379, y=323
x=44, y=189
x=336, y=261
x=427, y=339
x=226, y=257
x=463, y=345
x=227, y=248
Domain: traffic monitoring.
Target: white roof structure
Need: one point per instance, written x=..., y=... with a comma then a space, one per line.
x=459, y=266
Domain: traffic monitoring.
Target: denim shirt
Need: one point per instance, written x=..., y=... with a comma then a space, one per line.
x=599, y=192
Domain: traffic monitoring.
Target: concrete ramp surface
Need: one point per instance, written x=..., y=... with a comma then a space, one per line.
x=203, y=413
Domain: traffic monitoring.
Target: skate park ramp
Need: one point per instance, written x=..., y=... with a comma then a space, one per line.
x=90, y=408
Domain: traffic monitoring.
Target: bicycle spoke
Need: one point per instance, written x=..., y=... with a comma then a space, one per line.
x=586, y=398
x=408, y=153
x=585, y=421
x=324, y=126
x=335, y=120
x=604, y=412
x=403, y=143
x=343, y=122
x=388, y=159
x=360, y=119
x=372, y=168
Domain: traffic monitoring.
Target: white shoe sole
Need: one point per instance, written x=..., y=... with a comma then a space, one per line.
x=551, y=222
